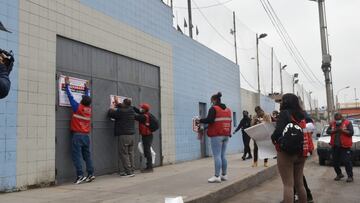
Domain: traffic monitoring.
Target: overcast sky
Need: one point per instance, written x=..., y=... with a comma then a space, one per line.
x=300, y=18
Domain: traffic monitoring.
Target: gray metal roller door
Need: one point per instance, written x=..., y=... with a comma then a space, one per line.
x=109, y=73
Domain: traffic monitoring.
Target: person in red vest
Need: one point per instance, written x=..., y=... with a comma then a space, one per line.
x=80, y=128
x=146, y=134
x=341, y=131
x=219, y=130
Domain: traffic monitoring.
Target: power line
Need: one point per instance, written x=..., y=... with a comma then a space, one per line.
x=292, y=42
x=208, y=21
x=285, y=37
x=209, y=6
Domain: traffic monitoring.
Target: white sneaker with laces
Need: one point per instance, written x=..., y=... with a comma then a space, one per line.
x=214, y=179
x=224, y=177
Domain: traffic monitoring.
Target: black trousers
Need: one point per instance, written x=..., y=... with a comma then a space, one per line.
x=246, y=141
x=256, y=150
x=147, y=142
x=308, y=191
x=342, y=155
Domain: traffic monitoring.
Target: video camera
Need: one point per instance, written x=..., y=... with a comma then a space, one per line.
x=7, y=58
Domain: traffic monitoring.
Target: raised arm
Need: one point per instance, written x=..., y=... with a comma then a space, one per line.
x=74, y=104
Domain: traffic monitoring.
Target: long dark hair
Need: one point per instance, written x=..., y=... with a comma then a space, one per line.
x=291, y=103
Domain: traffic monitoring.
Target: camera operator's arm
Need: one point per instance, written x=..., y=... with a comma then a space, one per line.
x=73, y=103
x=4, y=79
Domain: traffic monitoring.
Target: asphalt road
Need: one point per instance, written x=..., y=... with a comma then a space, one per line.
x=320, y=180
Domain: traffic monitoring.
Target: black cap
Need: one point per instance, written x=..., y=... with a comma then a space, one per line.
x=2, y=27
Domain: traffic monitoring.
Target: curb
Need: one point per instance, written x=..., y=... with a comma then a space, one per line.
x=235, y=188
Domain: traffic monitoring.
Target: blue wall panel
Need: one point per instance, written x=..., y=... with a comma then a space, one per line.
x=8, y=106
x=198, y=71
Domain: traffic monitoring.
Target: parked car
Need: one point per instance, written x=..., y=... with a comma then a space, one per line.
x=324, y=149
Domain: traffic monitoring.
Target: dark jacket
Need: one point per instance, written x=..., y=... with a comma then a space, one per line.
x=4, y=81
x=244, y=123
x=212, y=114
x=124, y=120
x=283, y=120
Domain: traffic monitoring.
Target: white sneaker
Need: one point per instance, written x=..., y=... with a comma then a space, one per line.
x=224, y=178
x=214, y=179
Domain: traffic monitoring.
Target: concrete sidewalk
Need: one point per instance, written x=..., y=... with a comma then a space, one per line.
x=188, y=180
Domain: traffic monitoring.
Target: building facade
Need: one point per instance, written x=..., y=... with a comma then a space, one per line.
x=126, y=48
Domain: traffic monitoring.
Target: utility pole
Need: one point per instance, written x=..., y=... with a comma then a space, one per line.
x=281, y=80
x=258, y=63
x=190, y=20
x=233, y=32
x=272, y=70
x=326, y=58
x=356, y=99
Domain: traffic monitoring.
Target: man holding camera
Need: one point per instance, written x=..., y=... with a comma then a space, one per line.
x=341, y=131
x=6, y=64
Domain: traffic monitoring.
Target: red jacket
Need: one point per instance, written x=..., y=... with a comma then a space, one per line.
x=222, y=124
x=81, y=120
x=144, y=129
x=345, y=139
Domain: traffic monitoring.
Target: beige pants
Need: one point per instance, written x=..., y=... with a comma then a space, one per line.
x=291, y=169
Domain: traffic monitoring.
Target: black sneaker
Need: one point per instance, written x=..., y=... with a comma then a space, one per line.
x=249, y=157
x=339, y=177
x=350, y=180
x=243, y=158
x=80, y=179
x=90, y=178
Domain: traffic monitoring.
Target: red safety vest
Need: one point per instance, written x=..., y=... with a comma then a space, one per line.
x=222, y=124
x=345, y=139
x=81, y=120
x=144, y=130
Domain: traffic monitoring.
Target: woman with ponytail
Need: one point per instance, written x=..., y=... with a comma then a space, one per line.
x=219, y=131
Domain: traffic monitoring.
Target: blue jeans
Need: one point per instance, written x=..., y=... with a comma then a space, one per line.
x=81, y=146
x=218, y=147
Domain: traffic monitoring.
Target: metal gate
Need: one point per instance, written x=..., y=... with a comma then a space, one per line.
x=109, y=73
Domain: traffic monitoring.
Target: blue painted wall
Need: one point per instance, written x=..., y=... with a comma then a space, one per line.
x=198, y=71
x=9, y=16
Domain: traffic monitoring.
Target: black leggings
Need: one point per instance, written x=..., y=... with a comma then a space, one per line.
x=246, y=140
x=256, y=149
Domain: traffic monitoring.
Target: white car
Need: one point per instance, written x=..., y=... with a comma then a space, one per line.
x=324, y=149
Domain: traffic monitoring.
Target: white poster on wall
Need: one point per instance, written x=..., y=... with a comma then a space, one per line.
x=115, y=99
x=77, y=88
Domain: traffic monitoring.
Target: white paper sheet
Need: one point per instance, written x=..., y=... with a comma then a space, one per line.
x=261, y=133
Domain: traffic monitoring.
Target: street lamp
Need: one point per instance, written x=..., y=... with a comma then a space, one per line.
x=281, y=79
x=258, y=37
x=295, y=80
x=337, y=98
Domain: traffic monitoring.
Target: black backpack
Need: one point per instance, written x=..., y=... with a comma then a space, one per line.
x=154, y=123
x=292, y=139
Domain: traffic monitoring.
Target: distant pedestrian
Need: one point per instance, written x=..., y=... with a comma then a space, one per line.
x=244, y=124
x=274, y=116
x=125, y=117
x=288, y=138
x=341, y=131
x=80, y=128
x=219, y=131
x=260, y=117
